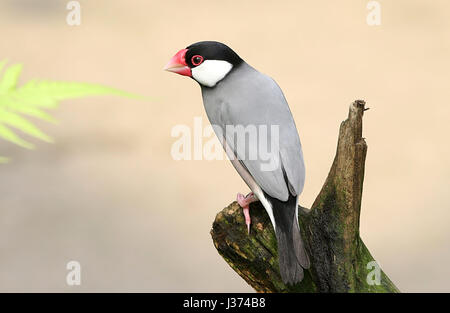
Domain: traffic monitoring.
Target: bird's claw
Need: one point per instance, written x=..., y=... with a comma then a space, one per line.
x=244, y=202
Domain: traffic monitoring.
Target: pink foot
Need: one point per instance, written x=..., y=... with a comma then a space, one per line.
x=244, y=202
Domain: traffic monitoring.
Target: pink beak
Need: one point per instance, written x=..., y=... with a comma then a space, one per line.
x=178, y=64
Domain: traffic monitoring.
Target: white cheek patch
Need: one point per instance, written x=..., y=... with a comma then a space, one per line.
x=210, y=72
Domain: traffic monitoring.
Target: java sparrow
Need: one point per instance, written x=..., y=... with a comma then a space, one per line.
x=235, y=94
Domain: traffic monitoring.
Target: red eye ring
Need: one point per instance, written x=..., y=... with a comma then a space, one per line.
x=197, y=60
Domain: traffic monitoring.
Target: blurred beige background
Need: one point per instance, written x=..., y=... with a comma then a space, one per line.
x=109, y=195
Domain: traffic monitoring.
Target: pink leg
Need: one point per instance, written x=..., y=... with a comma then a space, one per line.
x=244, y=202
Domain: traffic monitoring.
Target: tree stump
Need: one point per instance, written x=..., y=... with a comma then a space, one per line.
x=340, y=262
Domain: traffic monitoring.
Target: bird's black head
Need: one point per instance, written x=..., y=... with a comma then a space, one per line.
x=208, y=62
x=211, y=50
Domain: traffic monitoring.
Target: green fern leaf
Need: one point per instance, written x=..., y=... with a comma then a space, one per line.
x=10, y=78
x=35, y=112
x=9, y=135
x=33, y=97
x=22, y=124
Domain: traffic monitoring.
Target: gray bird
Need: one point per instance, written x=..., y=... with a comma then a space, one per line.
x=238, y=100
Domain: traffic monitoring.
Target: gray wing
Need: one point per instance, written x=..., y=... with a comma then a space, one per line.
x=250, y=98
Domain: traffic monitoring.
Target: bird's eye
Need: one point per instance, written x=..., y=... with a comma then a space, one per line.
x=197, y=60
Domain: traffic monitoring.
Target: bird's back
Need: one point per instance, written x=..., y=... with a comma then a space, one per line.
x=247, y=97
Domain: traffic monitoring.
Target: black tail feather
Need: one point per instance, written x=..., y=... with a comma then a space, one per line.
x=292, y=257
x=299, y=246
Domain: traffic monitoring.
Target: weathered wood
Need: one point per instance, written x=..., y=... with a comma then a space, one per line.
x=339, y=258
